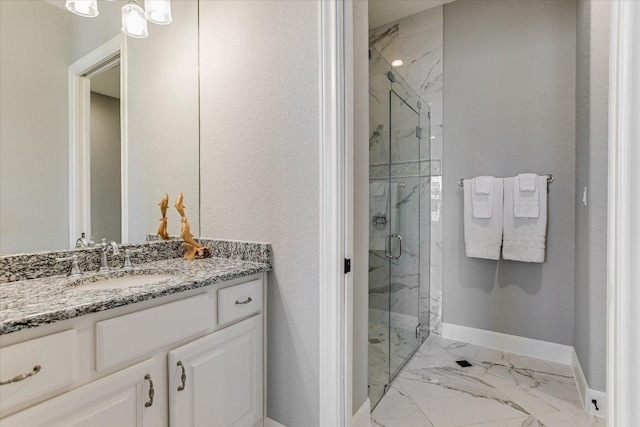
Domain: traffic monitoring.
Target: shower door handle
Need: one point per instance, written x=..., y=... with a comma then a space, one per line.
x=387, y=253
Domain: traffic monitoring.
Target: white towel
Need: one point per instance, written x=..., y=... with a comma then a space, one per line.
x=524, y=238
x=482, y=196
x=526, y=196
x=378, y=188
x=528, y=181
x=483, y=236
x=380, y=205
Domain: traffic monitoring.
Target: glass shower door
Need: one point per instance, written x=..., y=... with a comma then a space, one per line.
x=403, y=242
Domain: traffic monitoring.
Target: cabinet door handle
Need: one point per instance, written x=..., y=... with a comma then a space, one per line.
x=183, y=377
x=22, y=377
x=247, y=301
x=152, y=392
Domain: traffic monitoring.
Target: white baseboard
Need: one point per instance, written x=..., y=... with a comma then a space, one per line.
x=587, y=394
x=270, y=423
x=362, y=417
x=545, y=350
x=578, y=374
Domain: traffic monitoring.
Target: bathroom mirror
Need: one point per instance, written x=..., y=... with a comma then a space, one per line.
x=95, y=126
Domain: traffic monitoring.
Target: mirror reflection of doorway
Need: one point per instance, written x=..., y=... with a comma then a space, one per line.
x=105, y=152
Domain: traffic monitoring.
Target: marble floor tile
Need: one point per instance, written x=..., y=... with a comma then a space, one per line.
x=501, y=389
x=398, y=410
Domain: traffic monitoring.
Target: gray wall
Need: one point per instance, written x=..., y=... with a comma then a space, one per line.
x=592, y=91
x=509, y=107
x=361, y=204
x=260, y=172
x=106, y=218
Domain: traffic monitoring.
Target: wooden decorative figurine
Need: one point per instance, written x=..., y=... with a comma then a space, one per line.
x=194, y=249
x=162, y=229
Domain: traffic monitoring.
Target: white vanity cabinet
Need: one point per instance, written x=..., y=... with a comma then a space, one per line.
x=116, y=400
x=217, y=380
x=124, y=367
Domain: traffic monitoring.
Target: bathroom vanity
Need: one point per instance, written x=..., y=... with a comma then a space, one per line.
x=185, y=349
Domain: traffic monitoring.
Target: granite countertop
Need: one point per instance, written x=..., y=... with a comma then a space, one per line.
x=30, y=303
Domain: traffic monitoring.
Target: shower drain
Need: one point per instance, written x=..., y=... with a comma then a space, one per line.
x=463, y=363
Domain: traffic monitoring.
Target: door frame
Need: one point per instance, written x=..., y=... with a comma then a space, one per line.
x=80, y=138
x=336, y=212
x=623, y=275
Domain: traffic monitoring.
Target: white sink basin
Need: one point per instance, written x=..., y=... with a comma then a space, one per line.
x=125, y=282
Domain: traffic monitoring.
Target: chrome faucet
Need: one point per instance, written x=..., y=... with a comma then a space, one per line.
x=104, y=248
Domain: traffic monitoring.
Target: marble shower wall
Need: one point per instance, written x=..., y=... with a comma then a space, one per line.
x=418, y=41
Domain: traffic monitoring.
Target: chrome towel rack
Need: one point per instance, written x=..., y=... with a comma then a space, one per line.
x=550, y=179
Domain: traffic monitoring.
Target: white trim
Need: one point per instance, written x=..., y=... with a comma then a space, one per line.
x=334, y=381
x=578, y=375
x=623, y=273
x=544, y=350
x=268, y=422
x=79, y=138
x=362, y=417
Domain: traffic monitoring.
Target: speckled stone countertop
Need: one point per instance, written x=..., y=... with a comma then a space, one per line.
x=31, y=303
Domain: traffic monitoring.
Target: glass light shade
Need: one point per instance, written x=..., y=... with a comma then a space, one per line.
x=134, y=23
x=158, y=11
x=88, y=8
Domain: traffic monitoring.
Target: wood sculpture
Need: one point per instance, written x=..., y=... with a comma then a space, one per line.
x=194, y=249
x=162, y=229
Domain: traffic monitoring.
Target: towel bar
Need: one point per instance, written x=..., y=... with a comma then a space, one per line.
x=550, y=179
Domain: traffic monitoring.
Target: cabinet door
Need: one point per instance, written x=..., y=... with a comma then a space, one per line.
x=116, y=400
x=222, y=378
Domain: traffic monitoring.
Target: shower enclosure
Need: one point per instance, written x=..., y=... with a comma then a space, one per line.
x=399, y=197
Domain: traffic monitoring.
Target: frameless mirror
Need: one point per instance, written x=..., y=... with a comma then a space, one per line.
x=95, y=126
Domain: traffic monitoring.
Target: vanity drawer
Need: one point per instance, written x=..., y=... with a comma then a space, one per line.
x=236, y=302
x=127, y=337
x=55, y=355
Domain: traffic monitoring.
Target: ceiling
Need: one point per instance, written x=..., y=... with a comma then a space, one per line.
x=107, y=83
x=384, y=11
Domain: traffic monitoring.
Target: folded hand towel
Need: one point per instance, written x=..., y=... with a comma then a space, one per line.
x=378, y=188
x=482, y=184
x=526, y=202
x=482, y=196
x=528, y=181
x=483, y=236
x=524, y=239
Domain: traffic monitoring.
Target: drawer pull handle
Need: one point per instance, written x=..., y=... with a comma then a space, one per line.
x=183, y=377
x=247, y=301
x=22, y=377
x=152, y=392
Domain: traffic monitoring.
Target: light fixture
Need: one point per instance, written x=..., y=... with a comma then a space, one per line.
x=158, y=11
x=134, y=23
x=397, y=63
x=88, y=8
x=134, y=18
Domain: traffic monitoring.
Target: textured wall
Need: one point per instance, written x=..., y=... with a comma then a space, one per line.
x=260, y=172
x=510, y=108
x=592, y=91
x=361, y=204
x=106, y=220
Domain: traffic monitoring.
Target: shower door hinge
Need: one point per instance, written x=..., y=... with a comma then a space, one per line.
x=418, y=331
x=419, y=132
x=385, y=389
x=347, y=265
x=419, y=105
x=429, y=114
x=391, y=77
